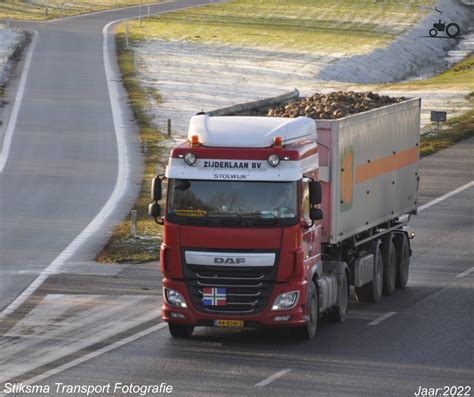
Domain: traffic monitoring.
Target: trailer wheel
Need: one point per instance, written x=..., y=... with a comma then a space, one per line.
x=308, y=331
x=389, y=256
x=180, y=330
x=338, y=313
x=403, y=259
x=372, y=291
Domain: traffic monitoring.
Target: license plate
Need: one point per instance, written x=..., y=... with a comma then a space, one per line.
x=228, y=323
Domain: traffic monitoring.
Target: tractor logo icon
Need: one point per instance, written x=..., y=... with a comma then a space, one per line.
x=451, y=30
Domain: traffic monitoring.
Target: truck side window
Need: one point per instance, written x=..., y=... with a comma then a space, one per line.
x=305, y=200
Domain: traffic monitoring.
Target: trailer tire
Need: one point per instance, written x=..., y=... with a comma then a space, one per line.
x=403, y=259
x=180, y=330
x=372, y=291
x=338, y=313
x=308, y=331
x=389, y=255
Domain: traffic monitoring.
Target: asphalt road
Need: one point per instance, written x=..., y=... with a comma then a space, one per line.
x=62, y=169
x=63, y=161
x=419, y=337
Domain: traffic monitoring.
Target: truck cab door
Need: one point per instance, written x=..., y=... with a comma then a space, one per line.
x=311, y=241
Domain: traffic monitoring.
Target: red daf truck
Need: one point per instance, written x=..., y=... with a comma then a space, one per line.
x=269, y=221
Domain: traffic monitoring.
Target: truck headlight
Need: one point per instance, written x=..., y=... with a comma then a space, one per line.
x=286, y=301
x=273, y=160
x=190, y=158
x=174, y=298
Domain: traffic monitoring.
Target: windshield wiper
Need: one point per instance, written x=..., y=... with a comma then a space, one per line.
x=224, y=214
x=260, y=215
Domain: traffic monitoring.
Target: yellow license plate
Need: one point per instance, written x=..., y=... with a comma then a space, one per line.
x=228, y=323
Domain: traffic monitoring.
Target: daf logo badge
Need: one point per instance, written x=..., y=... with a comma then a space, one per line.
x=233, y=261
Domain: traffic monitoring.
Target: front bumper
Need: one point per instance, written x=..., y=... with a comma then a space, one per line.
x=264, y=318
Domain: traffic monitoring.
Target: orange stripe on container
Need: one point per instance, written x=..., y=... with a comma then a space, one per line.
x=386, y=164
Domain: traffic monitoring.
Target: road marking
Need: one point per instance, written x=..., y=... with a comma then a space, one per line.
x=16, y=105
x=273, y=377
x=465, y=273
x=446, y=196
x=382, y=318
x=122, y=182
x=62, y=324
x=94, y=354
x=121, y=186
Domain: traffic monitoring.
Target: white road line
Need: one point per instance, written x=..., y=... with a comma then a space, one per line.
x=273, y=377
x=93, y=354
x=446, y=196
x=382, y=318
x=121, y=185
x=16, y=105
x=465, y=273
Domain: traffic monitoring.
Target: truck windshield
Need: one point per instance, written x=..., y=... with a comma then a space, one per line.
x=275, y=202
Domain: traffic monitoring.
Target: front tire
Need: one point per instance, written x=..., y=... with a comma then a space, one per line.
x=308, y=331
x=433, y=32
x=180, y=330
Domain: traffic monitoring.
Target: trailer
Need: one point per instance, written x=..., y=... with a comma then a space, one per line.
x=269, y=221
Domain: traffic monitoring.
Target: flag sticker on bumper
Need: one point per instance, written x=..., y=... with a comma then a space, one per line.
x=214, y=297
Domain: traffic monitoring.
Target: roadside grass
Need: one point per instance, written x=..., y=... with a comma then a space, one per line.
x=123, y=247
x=345, y=26
x=453, y=131
x=458, y=77
x=49, y=9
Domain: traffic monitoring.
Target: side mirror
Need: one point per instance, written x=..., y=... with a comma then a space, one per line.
x=315, y=192
x=316, y=214
x=154, y=210
x=156, y=189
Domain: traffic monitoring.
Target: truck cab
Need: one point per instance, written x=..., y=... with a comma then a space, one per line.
x=242, y=228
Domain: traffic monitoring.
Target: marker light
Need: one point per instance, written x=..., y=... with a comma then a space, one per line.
x=190, y=158
x=286, y=301
x=273, y=160
x=174, y=298
x=195, y=140
x=277, y=141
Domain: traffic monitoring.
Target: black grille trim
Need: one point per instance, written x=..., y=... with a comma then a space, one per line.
x=248, y=289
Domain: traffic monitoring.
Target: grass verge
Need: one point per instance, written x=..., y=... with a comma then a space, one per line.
x=50, y=9
x=458, y=77
x=345, y=26
x=122, y=247
x=455, y=130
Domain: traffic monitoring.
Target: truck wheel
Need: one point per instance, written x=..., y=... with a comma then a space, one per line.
x=389, y=256
x=372, y=291
x=338, y=313
x=403, y=259
x=180, y=330
x=308, y=331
